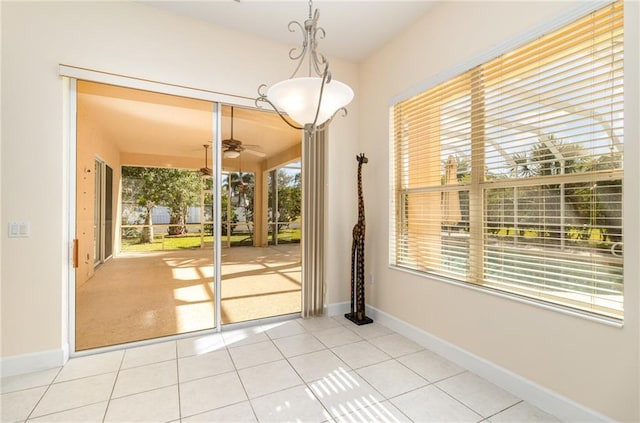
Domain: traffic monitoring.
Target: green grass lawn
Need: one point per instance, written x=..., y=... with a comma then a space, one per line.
x=170, y=243
x=193, y=241
x=289, y=236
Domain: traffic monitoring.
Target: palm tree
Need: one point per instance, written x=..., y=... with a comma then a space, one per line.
x=522, y=166
x=241, y=186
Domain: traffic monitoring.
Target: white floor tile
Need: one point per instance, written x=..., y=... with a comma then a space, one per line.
x=209, y=364
x=317, y=365
x=210, y=393
x=254, y=354
x=523, y=412
x=93, y=413
x=296, y=404
x=383, y=412
x=268, y=378
x=395, y=345
x=341, y=320
x=430, y=365
x=283, y=329
x=237, y=413
x=360, y=354
x=91, y=365
x=391, y=378
x=160, y=405
x=200, y=345
x=16, y=406
x=28, y=381
x=149, y=354
x=336, y=336
x=146, y=378
x=212, y=377
x=371, y=330
x=319, y=323
x=298, y=344
x=343, y=392
x=477, y=393
x=430, y=404
x=245, y=336
x=75, y=393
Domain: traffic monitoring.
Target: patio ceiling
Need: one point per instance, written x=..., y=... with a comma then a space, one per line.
x=146, y=123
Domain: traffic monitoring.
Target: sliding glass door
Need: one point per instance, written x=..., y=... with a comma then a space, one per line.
x=186, y=215
x=145, y=182
x=260, y=209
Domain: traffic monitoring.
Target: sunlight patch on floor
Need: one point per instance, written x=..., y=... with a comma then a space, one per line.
x=191, y=317
x=185, y=274
x=206, y=271
x=194, y=293
x=138, y=296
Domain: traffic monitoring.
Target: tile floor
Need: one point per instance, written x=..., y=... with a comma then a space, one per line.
x=315, y=370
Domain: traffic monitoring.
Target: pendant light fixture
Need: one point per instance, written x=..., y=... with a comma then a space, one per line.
x=309, y=100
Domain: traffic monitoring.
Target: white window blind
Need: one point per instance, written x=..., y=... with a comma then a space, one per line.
x=509, y=176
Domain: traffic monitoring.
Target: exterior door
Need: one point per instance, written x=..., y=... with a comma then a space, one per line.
x=102, y=213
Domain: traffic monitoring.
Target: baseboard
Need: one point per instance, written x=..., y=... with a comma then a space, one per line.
x=337, y=309
x=564, y=408
x=33, y=362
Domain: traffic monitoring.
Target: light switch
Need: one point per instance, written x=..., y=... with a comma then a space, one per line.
x=19, y=230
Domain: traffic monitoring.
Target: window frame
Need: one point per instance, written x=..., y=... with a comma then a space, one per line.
x=478, y=185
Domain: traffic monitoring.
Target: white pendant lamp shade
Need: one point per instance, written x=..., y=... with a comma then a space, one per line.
x=299, y=97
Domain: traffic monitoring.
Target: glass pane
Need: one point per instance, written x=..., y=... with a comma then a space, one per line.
x=159, y=281
x=261, y=273
x=562, y=241
x=435, y=233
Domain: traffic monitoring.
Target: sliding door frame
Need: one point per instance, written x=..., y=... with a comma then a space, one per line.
x=71, y=75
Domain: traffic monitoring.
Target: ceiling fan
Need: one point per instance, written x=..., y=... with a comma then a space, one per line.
x=231, y=147
x=206, y=170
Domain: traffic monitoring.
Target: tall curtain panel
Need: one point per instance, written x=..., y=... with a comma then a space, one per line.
x=313, y=179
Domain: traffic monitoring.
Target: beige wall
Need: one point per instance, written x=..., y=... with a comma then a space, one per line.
x=92, y=144
x=145, y=43
x=588, y=362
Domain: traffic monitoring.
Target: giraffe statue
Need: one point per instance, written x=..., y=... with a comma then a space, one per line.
x=357, y=313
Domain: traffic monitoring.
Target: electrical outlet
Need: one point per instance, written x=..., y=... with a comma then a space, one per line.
x=371, y=279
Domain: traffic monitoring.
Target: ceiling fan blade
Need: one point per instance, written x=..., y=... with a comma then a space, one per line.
x=233, y=145
x=230, y=142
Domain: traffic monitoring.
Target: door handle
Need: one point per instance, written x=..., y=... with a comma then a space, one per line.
x=75, y=253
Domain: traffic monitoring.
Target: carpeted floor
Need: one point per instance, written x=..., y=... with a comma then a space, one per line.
x=140, y=296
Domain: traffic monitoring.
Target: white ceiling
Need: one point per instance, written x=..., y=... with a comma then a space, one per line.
x=354, y=29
